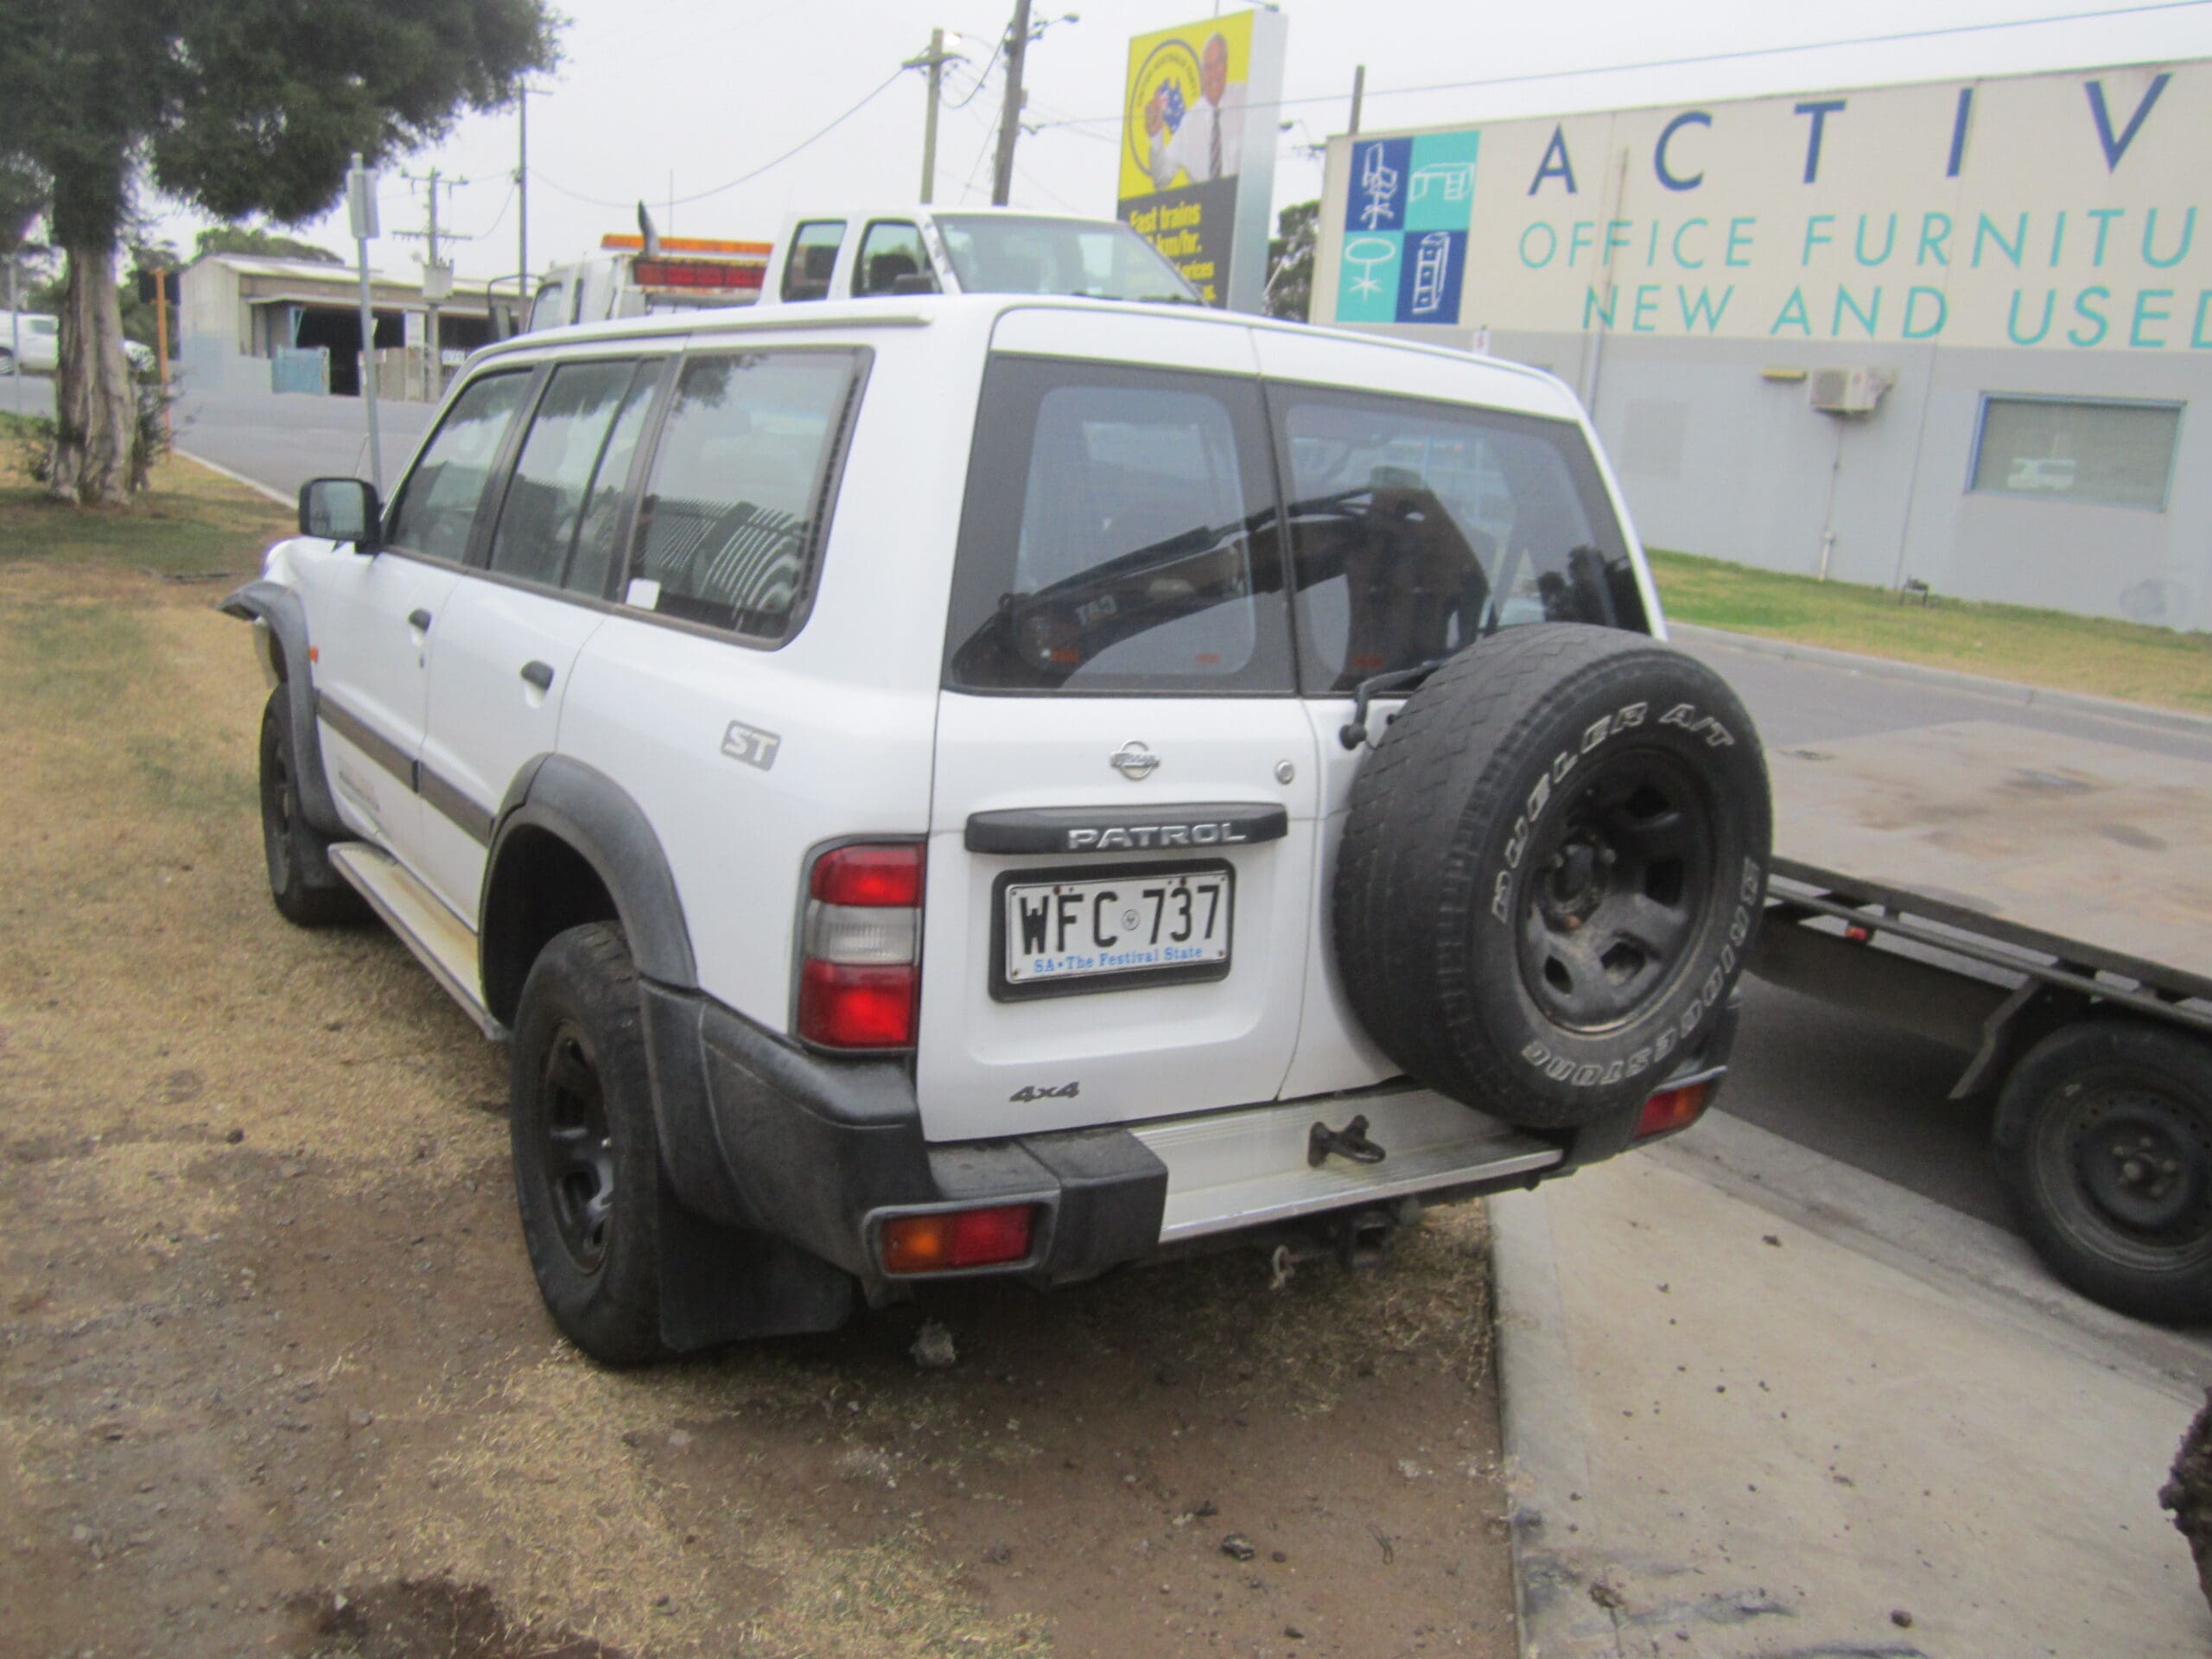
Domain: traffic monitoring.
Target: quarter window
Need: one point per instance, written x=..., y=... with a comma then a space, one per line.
x=436, y=506
x=1119, y=536
x=2112, y=455
x=560, y=508
x=1416, y=528
x=730, y=522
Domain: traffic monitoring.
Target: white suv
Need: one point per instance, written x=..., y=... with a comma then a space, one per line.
x=910, y=779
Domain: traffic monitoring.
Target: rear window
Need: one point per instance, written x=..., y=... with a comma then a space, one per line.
x=733, y=512
x=1119, y=536
x=1416, y=528
x=1005, y=253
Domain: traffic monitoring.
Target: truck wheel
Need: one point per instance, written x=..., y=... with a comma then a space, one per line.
x=587, y=1160
x=307, y=892
x=1553, y=867
x=2104, y=1147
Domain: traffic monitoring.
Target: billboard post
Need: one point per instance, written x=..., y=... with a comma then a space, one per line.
x=1197, y=153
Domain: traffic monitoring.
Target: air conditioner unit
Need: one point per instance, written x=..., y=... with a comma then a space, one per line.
x=1847, y=392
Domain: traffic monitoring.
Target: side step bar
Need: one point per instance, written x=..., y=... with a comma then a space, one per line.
x=440, y=940
x=1227, y=1170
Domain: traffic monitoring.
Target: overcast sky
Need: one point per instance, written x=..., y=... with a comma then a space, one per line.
x=661, y=98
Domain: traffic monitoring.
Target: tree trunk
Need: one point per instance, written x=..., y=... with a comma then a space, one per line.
x=95, y=415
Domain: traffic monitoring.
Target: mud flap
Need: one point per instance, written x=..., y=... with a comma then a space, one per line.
x=720, y=1284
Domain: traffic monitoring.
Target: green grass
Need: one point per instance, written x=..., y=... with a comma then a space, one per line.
x=2051, y=649
x=190, y=523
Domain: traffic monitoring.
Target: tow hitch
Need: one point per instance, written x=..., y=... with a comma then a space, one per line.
x=1356, y=1240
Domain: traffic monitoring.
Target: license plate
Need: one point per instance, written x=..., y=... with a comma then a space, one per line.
x=1140, y=925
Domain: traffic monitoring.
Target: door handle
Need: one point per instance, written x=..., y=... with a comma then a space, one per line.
x=539, y=675
x=419, y=619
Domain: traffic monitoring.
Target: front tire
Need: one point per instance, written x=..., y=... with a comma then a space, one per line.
x=2104, y=1149
x=586, y=1159
x=308, y=892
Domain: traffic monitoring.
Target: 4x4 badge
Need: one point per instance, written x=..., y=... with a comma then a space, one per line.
x=1133, y=761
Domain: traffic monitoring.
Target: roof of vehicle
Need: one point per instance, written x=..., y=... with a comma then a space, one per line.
x=919, y=310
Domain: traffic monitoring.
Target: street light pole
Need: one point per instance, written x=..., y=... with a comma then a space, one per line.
x=521, y=198
x=361, y=201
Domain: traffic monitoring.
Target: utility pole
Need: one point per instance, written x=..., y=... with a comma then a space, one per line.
x=1358, y=92
x=1017, y=47
x=934, y=61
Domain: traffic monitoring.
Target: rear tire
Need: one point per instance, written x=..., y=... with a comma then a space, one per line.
x=1552, y=872
x=307, y=891
x=2103, y=1145
x=587, y=1158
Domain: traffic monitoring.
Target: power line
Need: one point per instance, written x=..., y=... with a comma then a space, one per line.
x=1738, y=55
x=743, y=178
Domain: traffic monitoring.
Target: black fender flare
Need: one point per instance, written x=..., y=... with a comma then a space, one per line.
x=590, y=812
x=278, y=607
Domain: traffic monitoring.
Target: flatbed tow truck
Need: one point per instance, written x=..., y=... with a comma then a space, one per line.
x=2045, y=904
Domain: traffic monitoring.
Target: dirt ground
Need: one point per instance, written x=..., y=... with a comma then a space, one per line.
x=274, y=1376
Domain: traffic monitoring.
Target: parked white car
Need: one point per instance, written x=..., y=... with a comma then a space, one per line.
x=30, y=341
x=913, y=781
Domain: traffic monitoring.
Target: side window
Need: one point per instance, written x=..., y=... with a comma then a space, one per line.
x=890, y=250
x=1418, y=527
x=1119, y=536
x=813, y=257
x=570, y=478
x=436, y=505
x=732, y=514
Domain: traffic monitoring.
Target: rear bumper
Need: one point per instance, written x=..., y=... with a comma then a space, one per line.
x=759, y=1135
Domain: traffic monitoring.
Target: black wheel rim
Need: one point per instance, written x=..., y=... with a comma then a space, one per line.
x=1615, y=881
x=277, y=814
x=2126, y=1164
x=576, y=1148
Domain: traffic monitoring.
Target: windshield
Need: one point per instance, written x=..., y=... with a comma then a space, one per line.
x=997, y=253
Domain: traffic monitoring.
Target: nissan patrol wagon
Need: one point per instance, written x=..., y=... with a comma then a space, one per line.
x=940, y=787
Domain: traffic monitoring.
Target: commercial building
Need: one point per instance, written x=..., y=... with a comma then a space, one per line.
x=294, y=325
x=1958, y=333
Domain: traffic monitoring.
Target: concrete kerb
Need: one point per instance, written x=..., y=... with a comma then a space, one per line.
x=258, y=488
x=1558, y=1555
x=1950, y=679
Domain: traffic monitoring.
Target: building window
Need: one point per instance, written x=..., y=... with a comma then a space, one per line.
x=2111, y=454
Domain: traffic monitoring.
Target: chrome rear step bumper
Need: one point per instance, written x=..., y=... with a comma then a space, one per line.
x=1250, y=1167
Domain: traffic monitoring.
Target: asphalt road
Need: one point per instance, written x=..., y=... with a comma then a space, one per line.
x=282, y=441
x=1839, y=1083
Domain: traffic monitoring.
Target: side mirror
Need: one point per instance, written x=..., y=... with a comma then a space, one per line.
x=342, y=510
x=503, y=320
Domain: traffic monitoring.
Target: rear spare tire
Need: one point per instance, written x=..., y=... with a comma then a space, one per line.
x=1552, y=871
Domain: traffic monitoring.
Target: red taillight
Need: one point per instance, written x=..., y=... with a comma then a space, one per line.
x=844, y=1007
x=1671, y=1109
x=957, y=1238
x=879, y=877
x=860, y=972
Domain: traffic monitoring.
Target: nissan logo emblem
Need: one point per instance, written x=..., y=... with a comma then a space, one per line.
x=1133, y=761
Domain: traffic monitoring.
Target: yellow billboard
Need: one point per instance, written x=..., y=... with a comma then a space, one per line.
x=1197, y=148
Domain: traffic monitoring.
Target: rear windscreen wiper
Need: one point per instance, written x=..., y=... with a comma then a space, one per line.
x=1354, y=732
